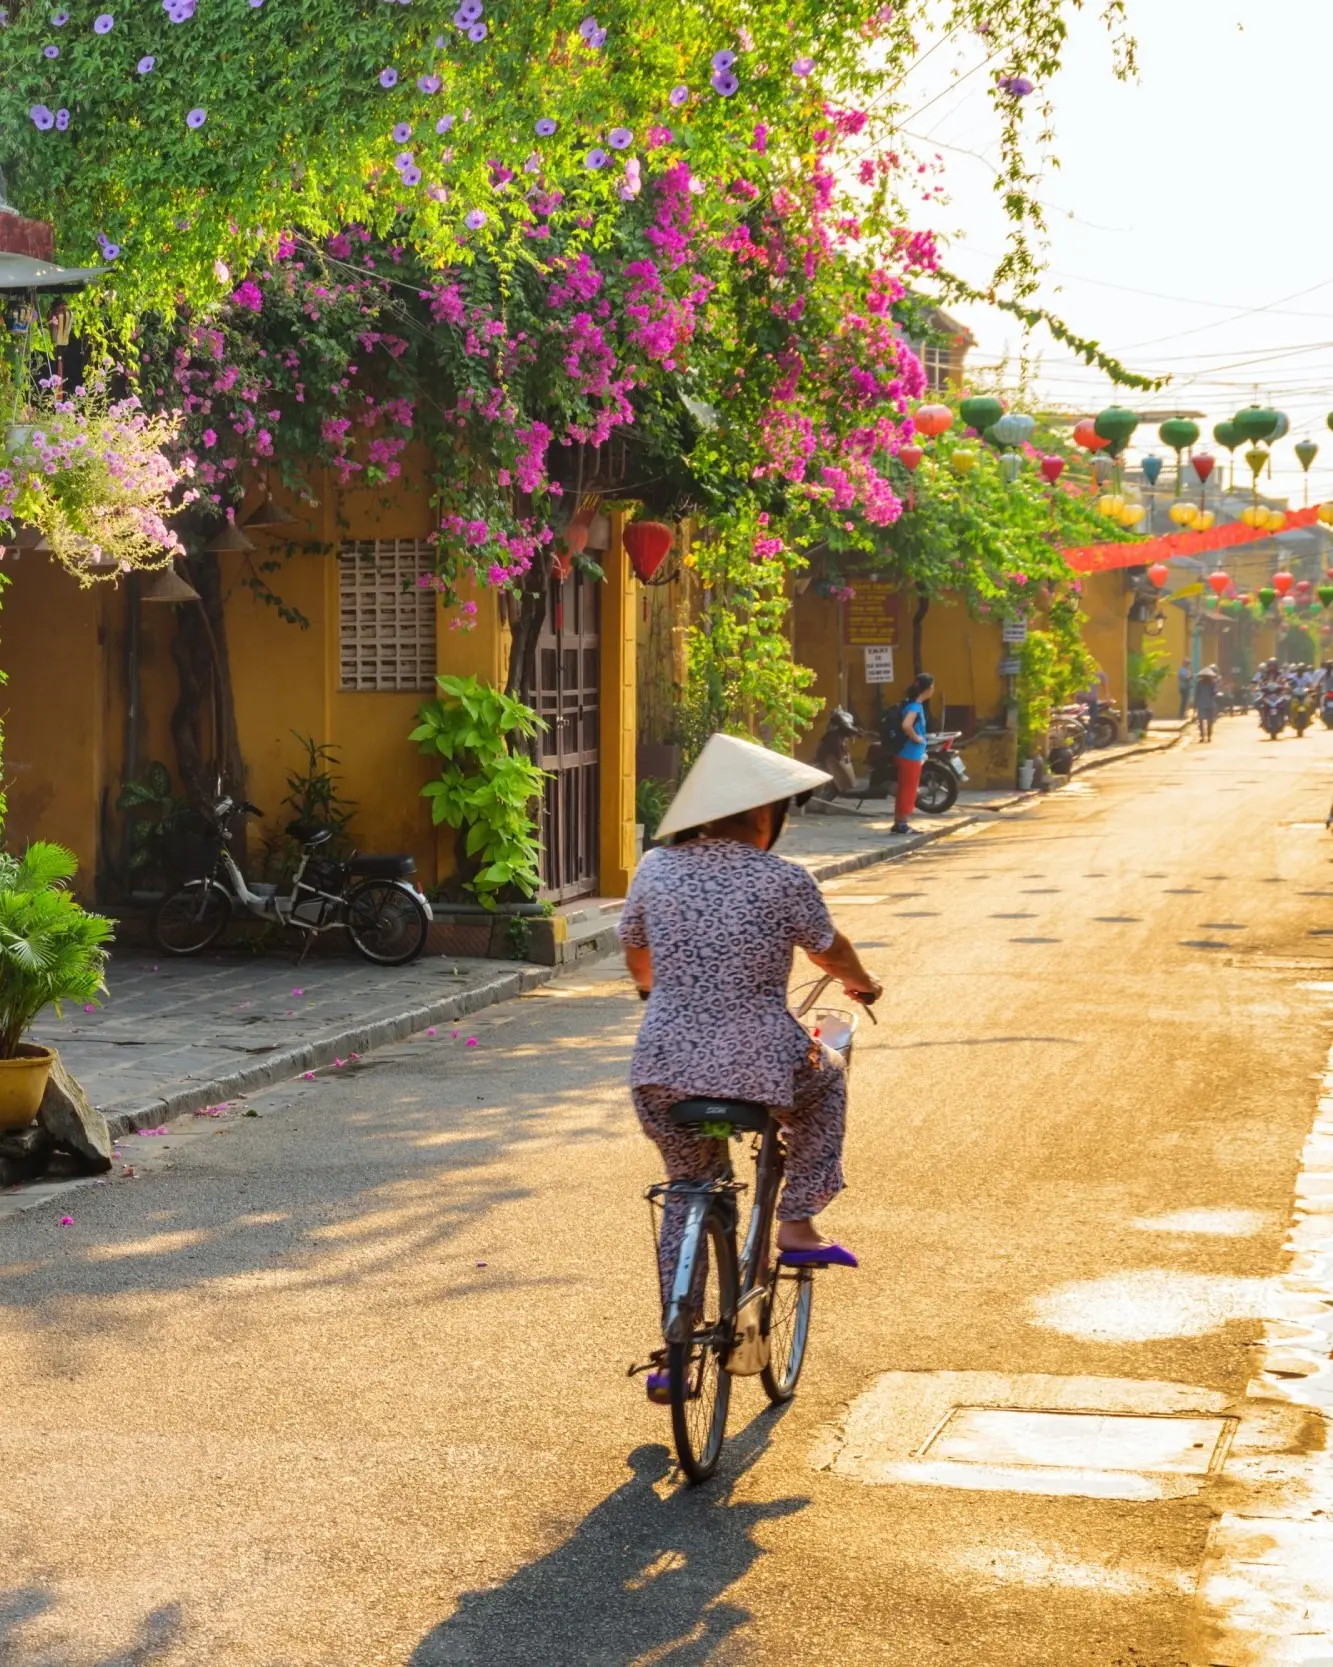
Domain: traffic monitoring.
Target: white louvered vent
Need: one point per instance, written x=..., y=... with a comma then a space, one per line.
x=386, y=624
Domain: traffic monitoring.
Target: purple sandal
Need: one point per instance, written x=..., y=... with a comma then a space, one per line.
x=826, y=1256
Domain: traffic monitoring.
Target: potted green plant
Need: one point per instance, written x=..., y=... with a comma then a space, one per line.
x=51, y=950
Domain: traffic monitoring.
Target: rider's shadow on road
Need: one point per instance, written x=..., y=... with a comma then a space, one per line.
x=640, y=1579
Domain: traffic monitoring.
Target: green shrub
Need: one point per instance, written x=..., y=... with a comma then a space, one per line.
x=50, y=947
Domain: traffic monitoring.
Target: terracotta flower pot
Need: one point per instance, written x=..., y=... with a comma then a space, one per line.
x=22, y=1084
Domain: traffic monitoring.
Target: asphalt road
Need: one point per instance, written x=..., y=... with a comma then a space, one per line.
x=344, y=1383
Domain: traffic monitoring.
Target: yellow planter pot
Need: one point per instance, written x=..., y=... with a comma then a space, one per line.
x=22, y=1084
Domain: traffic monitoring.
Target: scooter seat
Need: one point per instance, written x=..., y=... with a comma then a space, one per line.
x=741, y=1114
x=382, y=868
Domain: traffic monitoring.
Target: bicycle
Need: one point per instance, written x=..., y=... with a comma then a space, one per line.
x=734, y=1315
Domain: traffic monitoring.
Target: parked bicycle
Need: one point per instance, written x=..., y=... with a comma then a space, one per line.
x=371, y=898
x=733, y=1315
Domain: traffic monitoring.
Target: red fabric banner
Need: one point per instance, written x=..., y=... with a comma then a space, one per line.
x=1100, y=558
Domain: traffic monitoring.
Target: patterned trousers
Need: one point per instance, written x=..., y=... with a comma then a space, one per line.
x=813, y=1127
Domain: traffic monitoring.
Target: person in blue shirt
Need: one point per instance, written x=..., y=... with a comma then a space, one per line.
x=912, y=749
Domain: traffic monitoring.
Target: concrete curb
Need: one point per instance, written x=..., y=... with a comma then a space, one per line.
x=323, y=1050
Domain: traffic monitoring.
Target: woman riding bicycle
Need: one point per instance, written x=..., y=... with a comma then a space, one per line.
x=709, y=929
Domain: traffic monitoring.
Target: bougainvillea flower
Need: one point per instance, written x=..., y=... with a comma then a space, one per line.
x=478, y=32
x=402, y=133
x=620, y=139
x=388, y=78
x=147, y=65
x=411, y=175
x=103, y=24
x=50, y=52
x=544, y=128
x=589, y=27
x=475, y=219
x=723, y=60
x=1017, y=86
x=197, y=117
x=429, y=83
x=678, y=95
x=42, y=119
x=62, y=120
x=724, y=82
x=596, y=158
x=803, y=67
x=444, y=124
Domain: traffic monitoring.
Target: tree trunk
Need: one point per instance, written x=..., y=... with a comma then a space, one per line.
x=522, y=679
x=918, y=621
x=203, y=723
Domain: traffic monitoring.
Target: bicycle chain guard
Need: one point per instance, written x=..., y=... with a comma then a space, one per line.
x=750, y=1352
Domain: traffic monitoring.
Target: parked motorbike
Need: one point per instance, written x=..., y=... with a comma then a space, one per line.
x=942, y=772
x=370, y=897
x=834, y=754
x=1273, y=712
x=1302, y=711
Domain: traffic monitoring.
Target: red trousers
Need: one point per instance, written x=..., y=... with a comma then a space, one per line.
x=909, y=779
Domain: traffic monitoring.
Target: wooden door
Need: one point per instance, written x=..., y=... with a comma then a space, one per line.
x=567, y=701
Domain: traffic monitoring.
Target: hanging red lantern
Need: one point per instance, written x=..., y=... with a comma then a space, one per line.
x=910, y=458
x=1202, y=466
x=1052, y=467
x=1159, y=573
x=1282, y=583
x=1086, y=435
x=648, y=543
x=932, y=420
x=1219, y=581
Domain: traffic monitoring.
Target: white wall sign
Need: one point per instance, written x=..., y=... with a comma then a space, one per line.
x=879, y=664
x=1014, y=631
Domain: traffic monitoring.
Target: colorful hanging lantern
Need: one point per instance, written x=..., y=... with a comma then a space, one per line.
x=1178, y=432
x=1274, y=520
x=932, y=420
x=1130, y=515
x=910, y=458
x=1324, y=515
x=1266, y=595
x=1325, y=595
x=1280, y=429
x=980, y=411
x=649, y=543
x=1256, y=457
x=1052, y=468
x=1102, y=469
x=1255, y=422
x=1010, y=463
x=1203, y=521
x=1116, y=425
x=1086, y=435
x=1159, y=573
x=1110, y=505
x=1152, y=467
x=1184, y=514
x=963, y=460
x=1202, y=465
x=1012, y=429
x=1306, y=452
x=1219, y=582
x=1282, y=582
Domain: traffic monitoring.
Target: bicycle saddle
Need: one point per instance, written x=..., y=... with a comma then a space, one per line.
x=741, y=1114
x=309, y=833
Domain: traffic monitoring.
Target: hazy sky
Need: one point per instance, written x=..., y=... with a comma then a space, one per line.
x=1190, y=221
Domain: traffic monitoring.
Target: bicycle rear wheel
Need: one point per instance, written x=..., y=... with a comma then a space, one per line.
x=386, y=923
x=787, y=1324
x=699, y=1384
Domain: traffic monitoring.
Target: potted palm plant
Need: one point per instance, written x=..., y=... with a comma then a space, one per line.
x=51, y=950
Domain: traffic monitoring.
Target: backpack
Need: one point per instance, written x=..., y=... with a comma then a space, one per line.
x=891, y=734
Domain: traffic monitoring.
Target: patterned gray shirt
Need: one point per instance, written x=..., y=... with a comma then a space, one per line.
x=722, y=921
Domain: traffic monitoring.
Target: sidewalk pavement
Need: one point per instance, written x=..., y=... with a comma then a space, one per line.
x=176, y=1036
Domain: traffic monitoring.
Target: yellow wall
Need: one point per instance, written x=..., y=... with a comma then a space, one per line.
x=1106, y=603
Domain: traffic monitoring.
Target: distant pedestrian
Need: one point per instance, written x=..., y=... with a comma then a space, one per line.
x=912, y=749
x=1206, y=691
x=1185, y=683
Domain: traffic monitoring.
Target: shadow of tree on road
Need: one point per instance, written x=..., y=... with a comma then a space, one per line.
x=23, y=1604
x=642, y=1578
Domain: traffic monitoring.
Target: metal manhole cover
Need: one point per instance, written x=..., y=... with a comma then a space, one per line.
x=1080, y=1440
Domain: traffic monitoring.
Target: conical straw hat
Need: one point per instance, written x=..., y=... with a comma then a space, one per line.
x=731, y=775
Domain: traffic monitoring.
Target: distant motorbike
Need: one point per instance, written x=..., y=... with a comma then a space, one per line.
x=1273, y=712
x=1302, y=711
x=1326, y=708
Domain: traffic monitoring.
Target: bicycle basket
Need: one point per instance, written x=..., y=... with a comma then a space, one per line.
x=192, y=846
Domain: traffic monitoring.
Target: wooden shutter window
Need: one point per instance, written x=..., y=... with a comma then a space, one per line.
x=386, y=621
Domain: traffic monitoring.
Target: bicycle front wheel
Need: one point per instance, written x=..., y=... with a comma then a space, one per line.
x=191, y=918
x=386, y=923
x=787, y=1324
x=700, y=1386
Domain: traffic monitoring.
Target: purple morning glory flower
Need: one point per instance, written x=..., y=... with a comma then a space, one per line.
x=444, y=124
x=60, y=20
x=42, y=119
x=256, y=4
x=402, y=133
x=404, y=159
x=597, y=38
x=803, y=67
x=588, y=28
x=179, y=11
x=62, y=120
x=596, y=158
x=429, y=83
x=147, y=65
x=197, y=117
x=50, y=52
x=544, y=128
x=1017, y=86
x=410, y=175
x=475, y=219
x=468, y=13
x=388, y=78
x=724, y=82
x=621, y=138
x=723, y=60
x=103, y=24
x=678, y=95
x=478, y=32
x=110, y=251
